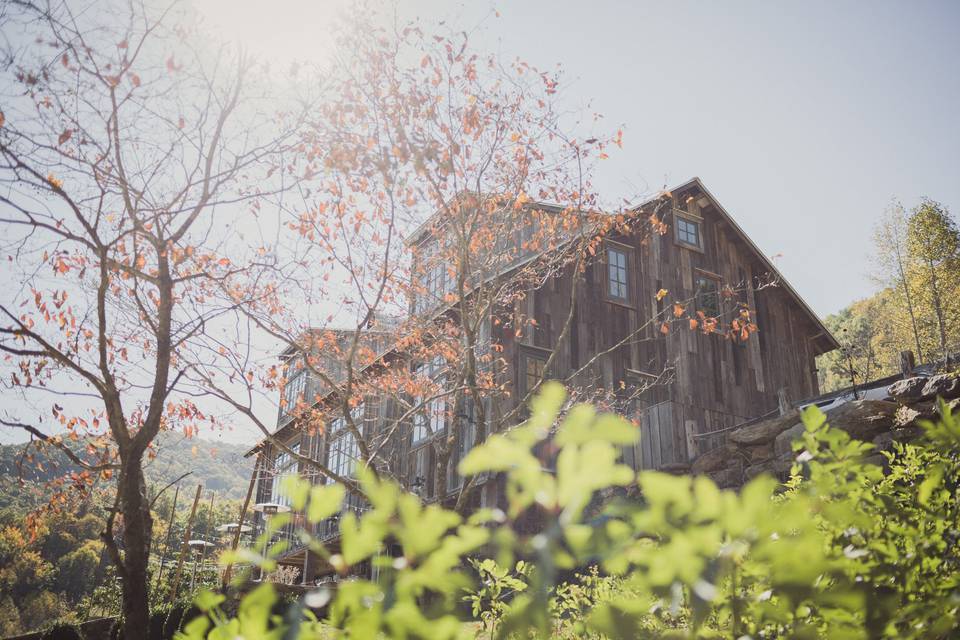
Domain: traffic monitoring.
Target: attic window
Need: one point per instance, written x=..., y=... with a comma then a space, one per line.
x=688, y=232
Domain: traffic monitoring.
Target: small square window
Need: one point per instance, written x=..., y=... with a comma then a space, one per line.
x=688, y=232
x=617, y=273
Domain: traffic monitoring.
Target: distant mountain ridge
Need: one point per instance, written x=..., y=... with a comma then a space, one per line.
x=219, y=466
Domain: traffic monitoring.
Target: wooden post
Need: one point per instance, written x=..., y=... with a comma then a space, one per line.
x=203, y=552
x=243, y=513
x=907, y=363
x=184, y=546
x=783, y=401
x=166, y=543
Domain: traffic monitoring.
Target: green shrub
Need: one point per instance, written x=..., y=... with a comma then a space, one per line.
x=843, y=551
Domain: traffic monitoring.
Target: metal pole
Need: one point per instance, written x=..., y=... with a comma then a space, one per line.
x=243, y=513
x=183, y=548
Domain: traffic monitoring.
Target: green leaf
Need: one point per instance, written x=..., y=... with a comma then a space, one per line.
x=325, y=500
x=929, y=484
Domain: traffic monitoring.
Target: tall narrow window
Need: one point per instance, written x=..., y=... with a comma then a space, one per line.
x=284, y=466
x=432, y=418
x=343, y=455
x=534, y=368
x=688, y=232
x=708, y=295
x=617, y=273
x=294, y=387
x=433, y=280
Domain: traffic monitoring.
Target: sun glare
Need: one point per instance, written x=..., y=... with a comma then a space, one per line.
x=283, y=30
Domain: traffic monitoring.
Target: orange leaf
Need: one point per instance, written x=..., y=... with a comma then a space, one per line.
x=693, y=324
x=662, y=294
x=664, y=328
x=677, y=309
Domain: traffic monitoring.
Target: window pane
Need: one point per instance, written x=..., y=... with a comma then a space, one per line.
x=533, y=371
x=708, y=296
x=617, y=273
x=688, y=231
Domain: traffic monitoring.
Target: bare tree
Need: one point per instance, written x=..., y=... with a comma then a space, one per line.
x=134, y=164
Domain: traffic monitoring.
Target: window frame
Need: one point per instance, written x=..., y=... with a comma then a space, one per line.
x=611, y=246
x=700, y=275
x=432, y=418
x=298, y=382
x=689, y=219
x=284, y=466
x=526, y=355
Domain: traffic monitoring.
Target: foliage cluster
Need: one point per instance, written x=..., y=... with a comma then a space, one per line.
x=844, y=550
x=917, y=255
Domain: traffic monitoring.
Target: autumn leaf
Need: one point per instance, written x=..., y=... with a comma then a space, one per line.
x=171, y=65
x=67, y=133
x=678, y=310
x=662, y=294
x=693, y=324
x=135, y=79
x=54, y=182
x=664, y=328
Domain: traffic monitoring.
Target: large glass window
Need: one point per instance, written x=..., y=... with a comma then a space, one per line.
x=617, y=273
x=688, y=232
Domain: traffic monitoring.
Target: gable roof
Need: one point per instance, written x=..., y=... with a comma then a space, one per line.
x=827, y=338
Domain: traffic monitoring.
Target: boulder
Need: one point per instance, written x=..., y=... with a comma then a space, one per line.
x=766, y=430
x=907, y=390
x=907, y=416
x=758, y=452
x=863, y=419
x=783, y=445
x=728, y=478
x=951, y=405
x=778, y=467
x=713, y=460
x=944, y=385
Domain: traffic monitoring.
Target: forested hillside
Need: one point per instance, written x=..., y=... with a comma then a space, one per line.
x=53, y=566
x=916, y=257
x=218, y=466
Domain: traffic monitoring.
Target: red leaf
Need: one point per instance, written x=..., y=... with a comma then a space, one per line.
x=64, y=136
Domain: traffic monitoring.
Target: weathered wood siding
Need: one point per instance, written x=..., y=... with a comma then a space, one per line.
x=717, y=382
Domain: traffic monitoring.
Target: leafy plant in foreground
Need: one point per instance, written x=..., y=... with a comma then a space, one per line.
x=843, y=551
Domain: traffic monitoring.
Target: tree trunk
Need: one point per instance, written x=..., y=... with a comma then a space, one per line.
x=910, y=309
x=137, y=534
x=938, y=309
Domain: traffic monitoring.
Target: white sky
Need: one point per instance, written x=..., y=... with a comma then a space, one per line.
x=803, y=118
